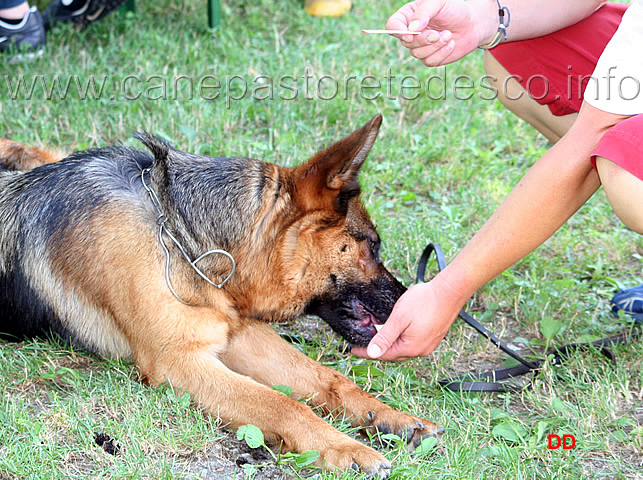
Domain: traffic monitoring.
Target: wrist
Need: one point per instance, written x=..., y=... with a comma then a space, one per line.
x=456, y=283
x=486, y=19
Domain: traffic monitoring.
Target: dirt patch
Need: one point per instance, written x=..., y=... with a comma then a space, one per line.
x=231, y=459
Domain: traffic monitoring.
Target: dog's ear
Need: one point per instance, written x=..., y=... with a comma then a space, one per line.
x=160, y=149
x=332, y=173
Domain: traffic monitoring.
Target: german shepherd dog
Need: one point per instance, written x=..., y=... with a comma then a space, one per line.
x=179, y=262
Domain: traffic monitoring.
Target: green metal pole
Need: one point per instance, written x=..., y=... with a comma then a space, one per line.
x=214, y=13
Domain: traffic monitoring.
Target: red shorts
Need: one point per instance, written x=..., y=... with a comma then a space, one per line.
x=623, y=145
x=554, y=70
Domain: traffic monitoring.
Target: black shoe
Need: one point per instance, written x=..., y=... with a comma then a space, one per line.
x=66, y=11
x=26, y=39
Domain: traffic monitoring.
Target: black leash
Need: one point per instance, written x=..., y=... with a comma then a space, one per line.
x=490, y=381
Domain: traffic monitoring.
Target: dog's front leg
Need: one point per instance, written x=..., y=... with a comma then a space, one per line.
x=259, y=352
x=189, y=359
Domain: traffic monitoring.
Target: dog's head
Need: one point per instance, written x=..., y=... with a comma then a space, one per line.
x=333, y=247
x=301, y=238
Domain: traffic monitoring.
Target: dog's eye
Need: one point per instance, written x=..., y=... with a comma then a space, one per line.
x=374, y=247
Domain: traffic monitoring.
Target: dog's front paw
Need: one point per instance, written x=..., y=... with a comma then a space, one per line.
x=412, y=429
x=351, y=454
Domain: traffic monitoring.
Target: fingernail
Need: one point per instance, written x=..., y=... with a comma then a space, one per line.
x=434, y=37
x=374, y=351
x=414, y=26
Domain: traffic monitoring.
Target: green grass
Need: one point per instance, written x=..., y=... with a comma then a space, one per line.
x=439, y=168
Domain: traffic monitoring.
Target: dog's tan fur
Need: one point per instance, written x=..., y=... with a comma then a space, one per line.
x=16, y=156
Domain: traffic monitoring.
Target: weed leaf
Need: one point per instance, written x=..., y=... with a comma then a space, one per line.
x=251, y=435
x=509, y=431
x=550, y=328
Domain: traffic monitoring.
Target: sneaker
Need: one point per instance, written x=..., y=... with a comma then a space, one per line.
x=26, y=39
x=629, y=301
x=80, y=13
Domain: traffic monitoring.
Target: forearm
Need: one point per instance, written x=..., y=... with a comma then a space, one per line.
x=530, y=19
x=547, y=196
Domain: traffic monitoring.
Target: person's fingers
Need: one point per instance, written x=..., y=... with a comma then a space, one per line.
x=423, y=13
x=400, y=19
x=415, y=17
x=403, y=350
x=359, y=352
x=430, y=37
x=389, y=333
x=435, y=49
x=428, y=43
x=441, y=56
x=394, y=354
x=433, y=55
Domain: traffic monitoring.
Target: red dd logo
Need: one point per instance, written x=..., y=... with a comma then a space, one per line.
x=555, y=441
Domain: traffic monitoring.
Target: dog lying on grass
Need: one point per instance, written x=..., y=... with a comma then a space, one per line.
x=180, y=261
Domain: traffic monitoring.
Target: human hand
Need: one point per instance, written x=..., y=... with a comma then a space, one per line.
x=450, y=29
x=418, y=323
